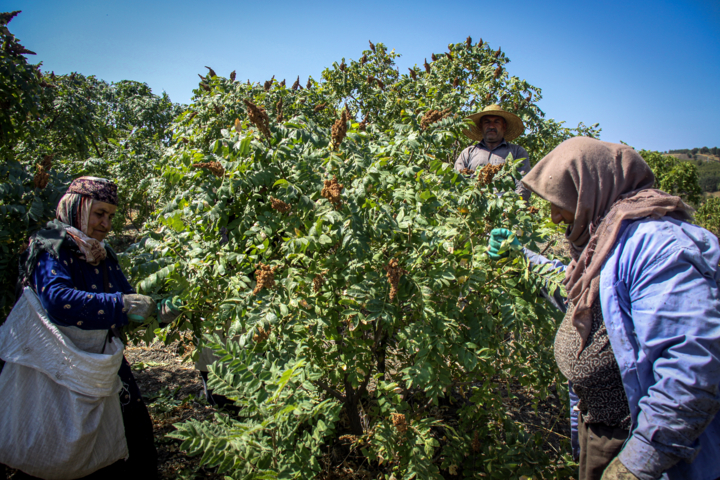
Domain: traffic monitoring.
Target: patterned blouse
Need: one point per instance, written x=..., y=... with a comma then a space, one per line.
x=594, y=374
x=73, y=294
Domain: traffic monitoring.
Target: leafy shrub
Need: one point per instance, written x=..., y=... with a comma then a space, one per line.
x=324, y=231
x=708, y=215
x=674, y=176
x=28, y=196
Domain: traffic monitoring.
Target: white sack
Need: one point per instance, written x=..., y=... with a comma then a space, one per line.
x=60, y=417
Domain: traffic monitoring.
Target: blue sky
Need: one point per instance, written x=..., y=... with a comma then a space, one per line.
x=648, y=72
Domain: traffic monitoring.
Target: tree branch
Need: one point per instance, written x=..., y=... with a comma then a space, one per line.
x=92, y=139
x=330, y=390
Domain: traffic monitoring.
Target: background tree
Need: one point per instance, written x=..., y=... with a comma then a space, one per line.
x=21, y=90
x=709, y=183
x=54, y=128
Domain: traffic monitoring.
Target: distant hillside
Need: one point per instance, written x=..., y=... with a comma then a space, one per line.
x=707, y=161
x=697, y=156
x=697, y=153
x=708, y=173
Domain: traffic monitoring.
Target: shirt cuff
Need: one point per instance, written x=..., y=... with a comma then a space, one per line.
x=645, y=461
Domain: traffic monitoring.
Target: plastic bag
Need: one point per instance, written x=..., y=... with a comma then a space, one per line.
x=61, y=416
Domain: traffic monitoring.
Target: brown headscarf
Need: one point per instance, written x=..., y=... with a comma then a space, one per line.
x=603, y=184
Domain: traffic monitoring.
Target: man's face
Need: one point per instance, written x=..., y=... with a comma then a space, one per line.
x=493, y=128
x=100, y=221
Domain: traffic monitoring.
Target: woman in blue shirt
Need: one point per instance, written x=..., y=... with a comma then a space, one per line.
x=640, y=342
x=79, y=282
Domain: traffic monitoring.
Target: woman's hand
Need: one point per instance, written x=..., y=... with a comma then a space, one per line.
x=497, y=237
x=617, y=471
x=138, y=307
x=169, y=309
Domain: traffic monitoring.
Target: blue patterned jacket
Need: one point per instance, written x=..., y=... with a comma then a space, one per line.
x=72, y=291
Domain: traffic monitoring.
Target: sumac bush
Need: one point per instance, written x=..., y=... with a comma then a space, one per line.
x=324, y=232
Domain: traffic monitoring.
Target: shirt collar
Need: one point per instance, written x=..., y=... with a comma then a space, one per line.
x=484, y=145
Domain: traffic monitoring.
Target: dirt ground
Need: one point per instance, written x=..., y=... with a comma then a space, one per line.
x=173, y=393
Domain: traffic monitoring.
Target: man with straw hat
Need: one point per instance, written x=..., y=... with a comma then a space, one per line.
x=494, y=128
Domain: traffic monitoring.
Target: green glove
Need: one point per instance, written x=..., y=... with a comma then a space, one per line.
x=497, y=237
x=169, y=309
x=617, y=471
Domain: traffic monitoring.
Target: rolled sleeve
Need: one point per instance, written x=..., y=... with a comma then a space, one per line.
x=675, y=307
x=67, y=306
x=537, y=259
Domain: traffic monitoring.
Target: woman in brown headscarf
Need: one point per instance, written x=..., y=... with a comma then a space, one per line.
x=640, y=343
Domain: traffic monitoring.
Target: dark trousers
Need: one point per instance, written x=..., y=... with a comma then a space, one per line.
x=599, y=445
x=142, y=461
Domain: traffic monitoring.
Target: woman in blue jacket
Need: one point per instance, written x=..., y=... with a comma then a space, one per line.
x=640, y=342
x=78, y=280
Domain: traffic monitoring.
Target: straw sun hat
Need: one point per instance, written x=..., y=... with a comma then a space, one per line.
x=514, y=129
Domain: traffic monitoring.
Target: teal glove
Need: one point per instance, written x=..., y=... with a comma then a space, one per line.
x=169, y=309
x=497, y=237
